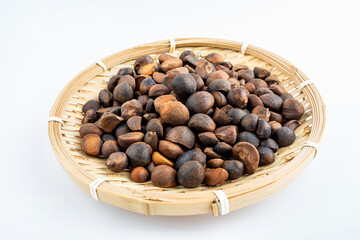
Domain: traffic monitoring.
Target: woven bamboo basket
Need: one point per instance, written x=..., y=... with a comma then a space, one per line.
x=117, y=189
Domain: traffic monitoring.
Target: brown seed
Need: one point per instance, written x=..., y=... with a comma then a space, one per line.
x=125, y=71
x=286, y=96
x=242, y=82
x=237, y=115
x=285, y=137
x=249, y=137
x=226, y=108
x=105, y=98
x=191, y=70
x=219, y=85
x=292, y=109
x=159, y=159
x=150, y=106
x=221, y=118
x=192, y=61
x=164, y=176
x=215, y=177
x=174, y=113
x=272, y=101
x=204, y=69
x=186, y=53
x=157, y=76
x=278, y=90
x=184, y=85
x=121, y=129
x=202, y=122
x=261, y=112
x=217, y=75
x=191, y=155
x=152, y=139
x=263, y=129
x=234, y=83
x=246, y=74
x=182, y=135
x=169, y=77
x=171, y=64
x=150, y=167
x=91, y=144
x=146, y=84
x=220, y=99
x=234, y=168
x=266, y=156
x=169, y=149
x=139, y=79
x=131, y=108
x=92, y=104
x=270, y=143
x=208, y=139
x=155, y=125
x=149, y=116
x=108, y=122
x=198, y=80
x=249, y=122
x=109, y=147
x=139, y=154
x=227, y=64
x=261, y=91
x=259, y=83
x=237, y=98
x=215, y=163
x=210, y=153
x=113, y=81
x=90, y=116
x=134, y=123
x=276, y=117
x=215, y=58
x=127, y=139
x=123, y=92
x=254, y=101
x=139, y=175
x=107, y=136
x=159, y=101
x=223, y=149
x=117, y=161
x=101, y=111
x=143, y=99
x=142, y=61
x=164, y=56
x=227, y=133
x=232, y=74
x=129, y=79
x=200, y=102
x=148, y=69
x=250, y=87
x=292, y=124
x=191, y=174
x=261, y=72
x=274, y=127
x=248, y=155
x=158, y=90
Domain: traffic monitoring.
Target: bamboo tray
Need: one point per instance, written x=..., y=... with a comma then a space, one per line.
x=118, y=190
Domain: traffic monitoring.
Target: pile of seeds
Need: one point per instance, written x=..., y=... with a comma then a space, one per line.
x=189, y=120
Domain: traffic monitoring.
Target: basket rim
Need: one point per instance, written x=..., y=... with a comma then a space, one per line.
x=84, y=178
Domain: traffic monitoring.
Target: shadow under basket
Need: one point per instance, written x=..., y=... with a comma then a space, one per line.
x=91, y=174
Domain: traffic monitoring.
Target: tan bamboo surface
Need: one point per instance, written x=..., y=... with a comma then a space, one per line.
x=145, y=198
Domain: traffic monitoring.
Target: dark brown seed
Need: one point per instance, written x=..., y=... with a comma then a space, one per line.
x=139, y=79
x=163, y=57
x=272, y=101
x=191, y=155
x=150, y=167
x=92, y=104
x=232, y=73
x=215, y=58
x=127, y=139
x=141, y=61
x=131, y=108
x=101, y=111
x=134, y=123
x=90, y=116
x=249, y=137
x=123, y=92
x=267, y=156
x=105, y=98
x=191, y=69
x=152, y=139
x=226, y=108
x=109, y=147
x=259, y=83
x=215, y=177
x=116, y=104
x=157, y=76
x=198, y=80
x=276, y=117
x=254, y=101
x=149, y=116
x=237, y=98
x=217, y=75
x=249, y=122
x=143, y=99
x=107, y=136
x=248, y=155
x=182, y=135
x=171, y=64
x=292, y=109
x=139, y=154
x=184, y=85
x=113, y=81
x=159, y=101
x=186, y=53
x=146, y=84
x=108, y=122
x=278, y=90
x=139, y=175
x=164, y=176
x=116, y=110
x=234, y=168
x=292, y=124
x=219, y=85
x=125, y=71
x=236, y=114
x=261, y=112
x=204, y=69
x=210, y=153
x=129, y=79
x=261, y=72
x=221, y=118
x=223, y=148
x=192, y=61
x=227, y=133
x=234, y=83
x=121, y=129
x=274, y=127
x=263, y=129
x=91, y=144
x=202, y=122
x=245, y=90
x=117, y=161
x=270, y=143
x=238, y=67
x=285, y=137
x=250, y=87
x=227, y=64
x=200, y=102
x=272, y=80
x=170, y=75
x=191, y=174
x=261, y=91
x=169, y=149
x=286, y=96
x=158, y=90
x=208, y=139
x=246, y=74
x=174, y=113
x=215, y=163
x=155, y=125
x=159, y=159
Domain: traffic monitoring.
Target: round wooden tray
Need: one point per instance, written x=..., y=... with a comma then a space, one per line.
x=145, y=198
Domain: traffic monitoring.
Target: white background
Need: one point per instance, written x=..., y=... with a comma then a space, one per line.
x=44, y=44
